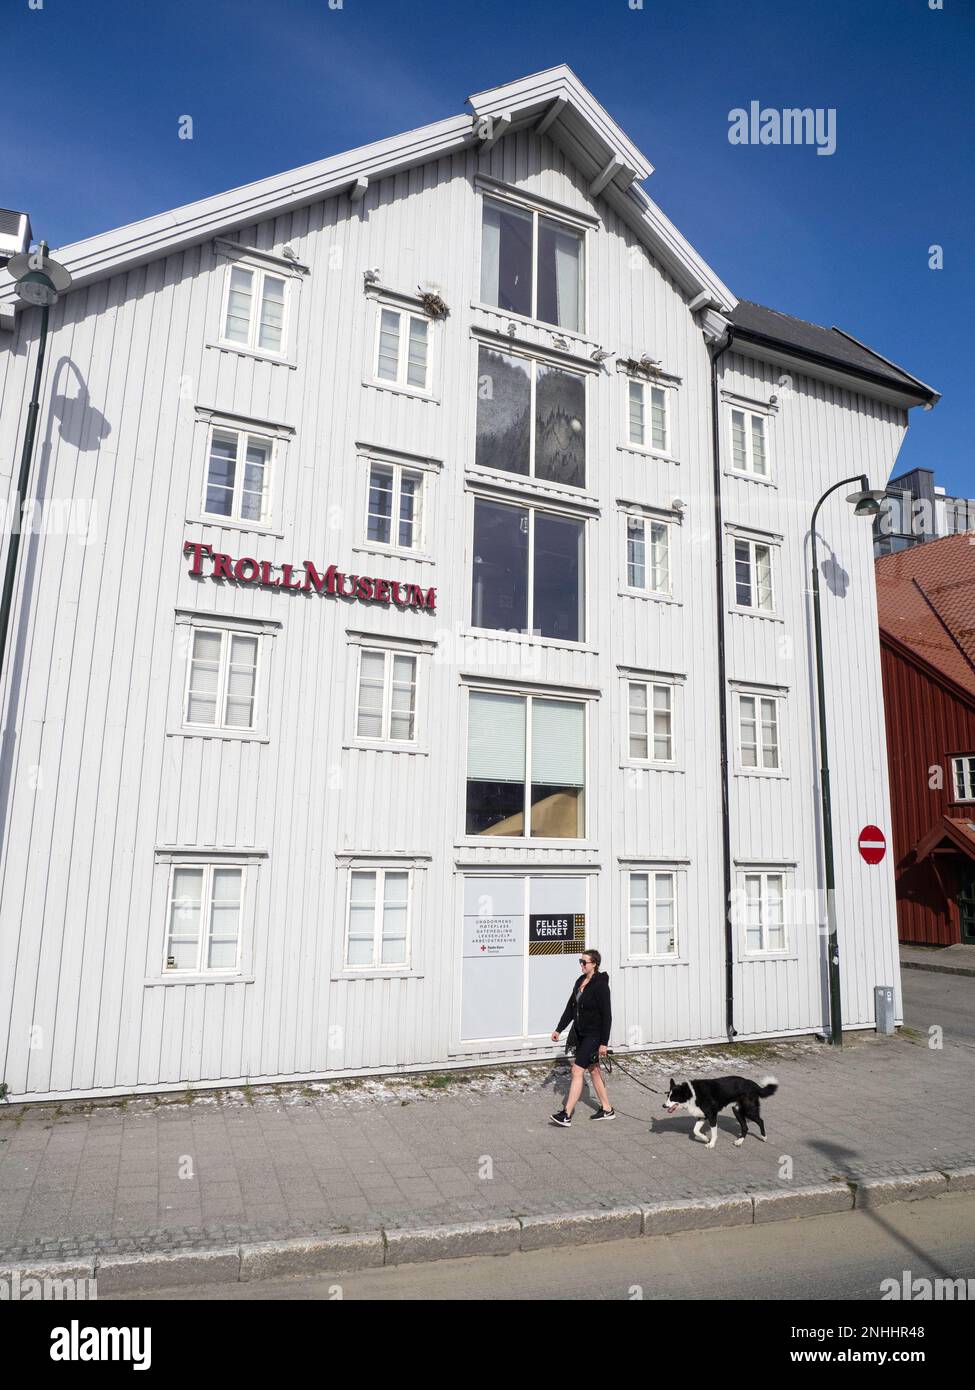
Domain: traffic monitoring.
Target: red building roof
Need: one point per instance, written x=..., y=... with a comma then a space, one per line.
x=926, y=603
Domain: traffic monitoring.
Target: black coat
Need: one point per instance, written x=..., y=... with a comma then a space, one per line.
x=594, y=1013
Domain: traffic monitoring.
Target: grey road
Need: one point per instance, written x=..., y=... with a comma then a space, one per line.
x=825, y=1257
x=943, y=1001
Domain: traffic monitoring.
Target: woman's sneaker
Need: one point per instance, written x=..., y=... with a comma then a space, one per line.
x=561, y=1117
x=602, y=1114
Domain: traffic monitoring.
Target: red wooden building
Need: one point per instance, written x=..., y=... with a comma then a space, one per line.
x=926, y=605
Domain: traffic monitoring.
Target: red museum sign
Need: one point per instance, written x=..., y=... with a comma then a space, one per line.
x=305, y=578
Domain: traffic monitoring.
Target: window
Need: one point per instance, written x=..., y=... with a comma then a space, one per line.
x=652, y=914
x=393, y=512
x=647, y=416
x=964, y=774
x=528, y=571
x=514, y=392
x=749, y=453
x=403, y=349
x=526, y=760
x=513, y=241
x=379, y=915
x=651, y=743
x=386, y=706
x=254, y=315
x=758, y=731
x=764, y=912
x=203, y=932
x=239, y=476
x=753, y=575
x=221, y=684
x=647, y=555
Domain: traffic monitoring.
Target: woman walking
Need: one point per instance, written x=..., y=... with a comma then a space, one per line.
x=589, y=1008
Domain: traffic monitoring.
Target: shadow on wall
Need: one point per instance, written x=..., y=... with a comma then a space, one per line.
x=84, y=427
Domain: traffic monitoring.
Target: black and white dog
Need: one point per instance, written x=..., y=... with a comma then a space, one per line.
x=703, y=1100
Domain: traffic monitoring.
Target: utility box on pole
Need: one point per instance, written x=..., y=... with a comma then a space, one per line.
x=883, y=1006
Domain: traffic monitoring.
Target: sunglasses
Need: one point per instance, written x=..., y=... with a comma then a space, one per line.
x=583, y=960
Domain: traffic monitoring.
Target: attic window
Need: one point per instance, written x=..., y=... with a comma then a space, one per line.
x=532, y=265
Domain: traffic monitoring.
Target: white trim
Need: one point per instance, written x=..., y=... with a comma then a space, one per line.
x=201, y=972
x=529, y=632
x=378, y=967
x=393, y=546
x=963, y=777
x=405, y=316
x=389, y=650
x=652, y=871
x=260, y=274
x=243, y=434
x=226, y=630
x=528, y=100
x=586, y=839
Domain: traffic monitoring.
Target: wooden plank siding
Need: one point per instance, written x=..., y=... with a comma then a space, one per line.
x=927, y=722
x=97, y=781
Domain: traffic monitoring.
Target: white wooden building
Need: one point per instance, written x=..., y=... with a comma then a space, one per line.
x=368, y=658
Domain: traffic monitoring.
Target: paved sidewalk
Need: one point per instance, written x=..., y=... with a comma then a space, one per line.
x=948, y=960
x=104, y=1177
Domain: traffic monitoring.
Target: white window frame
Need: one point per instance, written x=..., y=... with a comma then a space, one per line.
x=528, y=839
x=532, y=508
x=752, y=542
x=651, y=686
x=651, y=874
x=648, y=522
x=552, y=215
x=963, y=776
x=388, y=654
x=760, y=767
x=764, y=875
x=397, y=470
x=226, y=635
x=534, y=363
x=400, y=381
x=377, y=964
x=750, y=414
x=646, y=444
x=243, y=436
x=260, y=273
x=206, y=907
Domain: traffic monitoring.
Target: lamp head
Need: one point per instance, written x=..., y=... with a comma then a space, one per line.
x=39, y=280
x=868, y=501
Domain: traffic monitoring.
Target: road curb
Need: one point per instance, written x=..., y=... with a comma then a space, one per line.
x=119, y=1275
x=938, y=969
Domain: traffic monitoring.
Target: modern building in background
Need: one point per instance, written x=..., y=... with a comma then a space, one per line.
x=440, y=607
x=926, y=603
x=916, y=510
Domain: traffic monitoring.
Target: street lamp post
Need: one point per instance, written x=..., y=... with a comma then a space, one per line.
x=867, y=503
x=39, y=282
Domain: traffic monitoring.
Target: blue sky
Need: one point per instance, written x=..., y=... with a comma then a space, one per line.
x=94, y=91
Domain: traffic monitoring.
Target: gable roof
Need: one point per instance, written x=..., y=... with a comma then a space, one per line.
x=828, y=346
x=554, y=102
x=926, y=604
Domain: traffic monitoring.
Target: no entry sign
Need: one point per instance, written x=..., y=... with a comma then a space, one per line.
x=872, y=844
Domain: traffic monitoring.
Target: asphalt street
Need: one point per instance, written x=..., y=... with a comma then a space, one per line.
x=842, y=1257
x=942, y=1001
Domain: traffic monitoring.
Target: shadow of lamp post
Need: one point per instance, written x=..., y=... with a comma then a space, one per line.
x=866, y=502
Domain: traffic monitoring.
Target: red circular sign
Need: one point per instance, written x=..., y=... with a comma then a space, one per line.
x=872, y=844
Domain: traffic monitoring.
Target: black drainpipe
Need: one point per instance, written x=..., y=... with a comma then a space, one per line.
x=729, y=969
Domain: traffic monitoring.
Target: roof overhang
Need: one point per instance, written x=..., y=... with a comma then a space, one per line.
x=828, y=369
x=950, y=833
x=554, y=103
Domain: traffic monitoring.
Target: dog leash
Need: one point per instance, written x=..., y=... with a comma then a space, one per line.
x=626, y=1071
x=611, y=1060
